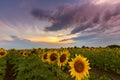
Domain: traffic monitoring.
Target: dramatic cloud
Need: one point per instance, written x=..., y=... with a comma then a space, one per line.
x=32, y=33
x=82, y=17
x=42, y=14
x=56, y=23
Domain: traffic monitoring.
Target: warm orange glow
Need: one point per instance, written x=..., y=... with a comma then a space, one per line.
x=44, y=39
x=54, y=40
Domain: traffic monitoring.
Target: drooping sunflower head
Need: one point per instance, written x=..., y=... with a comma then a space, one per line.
x=44, y=57
x=34, y=51
x=52, y=56
x=79, y=67
x=2, y=52
x=63, y=58
x=23, y=52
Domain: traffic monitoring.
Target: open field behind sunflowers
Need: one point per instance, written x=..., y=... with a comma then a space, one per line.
x=60, y=64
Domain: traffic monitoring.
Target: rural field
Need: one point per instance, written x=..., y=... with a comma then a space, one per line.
x=60, y=64
x=59, y=39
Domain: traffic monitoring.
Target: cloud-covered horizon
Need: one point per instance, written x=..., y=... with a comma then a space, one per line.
x=20, y=43
x=76, y=22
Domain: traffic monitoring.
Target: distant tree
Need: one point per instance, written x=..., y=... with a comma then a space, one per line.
x=87, y=47
x=83, y=46
x=75, y=46
x=113, y=46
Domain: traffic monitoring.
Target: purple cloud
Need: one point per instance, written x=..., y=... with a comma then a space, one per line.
x=42, y=14
x=80, y=17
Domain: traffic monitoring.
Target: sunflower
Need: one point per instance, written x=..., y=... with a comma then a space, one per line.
x=63, y=58
x=34, y=51
x=52, y=56
x=23, y=52
x=79, y=67
x=2, y=52
x=44, y=57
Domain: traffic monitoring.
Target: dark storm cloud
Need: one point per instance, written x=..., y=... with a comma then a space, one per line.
x=42, y=14
x=109, y=13
x=64, y=40
x=54, y=27
x=80, y=17
x=81, y=28
x=61, y=18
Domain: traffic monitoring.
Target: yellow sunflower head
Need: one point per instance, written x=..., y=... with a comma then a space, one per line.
x=79, y=67
x=2, y=52
x=44, y=57
x=52, y=56
x=63, y=58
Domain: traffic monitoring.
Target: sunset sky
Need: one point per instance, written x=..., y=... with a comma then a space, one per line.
x=59, y=23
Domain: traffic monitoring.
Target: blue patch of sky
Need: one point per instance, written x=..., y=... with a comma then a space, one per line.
x=85, y=37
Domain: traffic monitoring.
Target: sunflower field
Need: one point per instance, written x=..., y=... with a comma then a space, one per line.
x=60, y=64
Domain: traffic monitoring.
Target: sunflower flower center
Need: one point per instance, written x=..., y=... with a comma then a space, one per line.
x=79, y=66
x=34, y=51
x=53, y=57
x=21, y=52
x=62, y=58
x=45, y=56
x=2, y=53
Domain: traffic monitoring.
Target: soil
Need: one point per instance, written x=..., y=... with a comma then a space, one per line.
x=113, y=76
x=10, y=73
